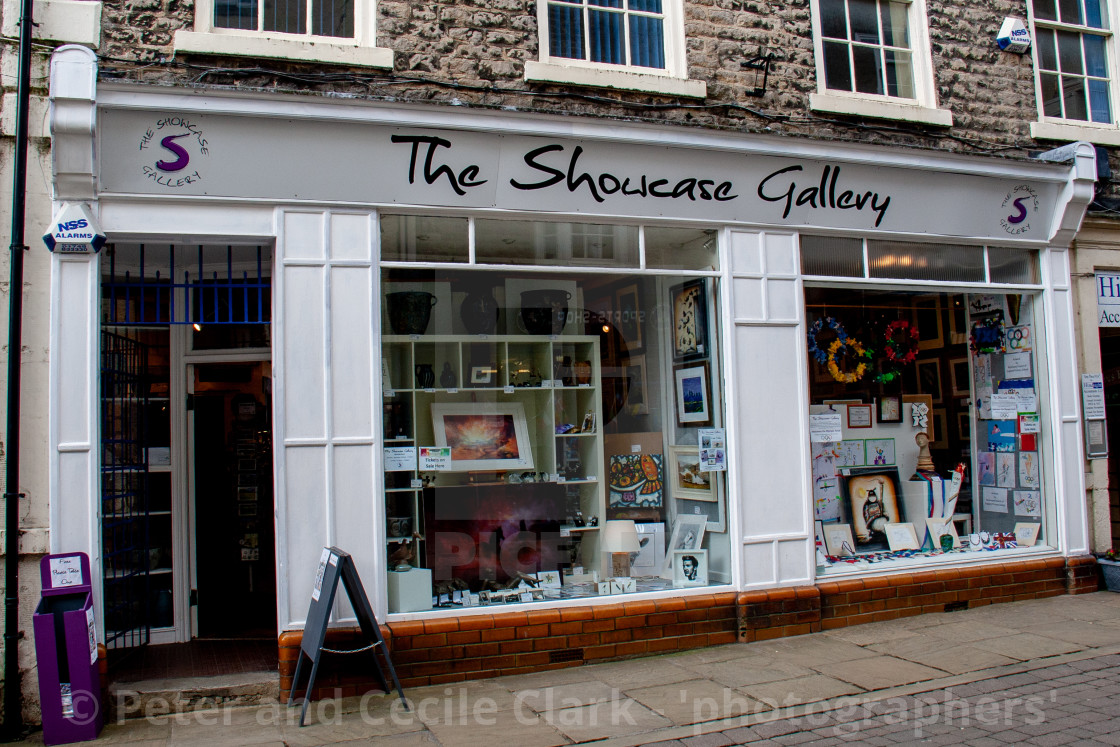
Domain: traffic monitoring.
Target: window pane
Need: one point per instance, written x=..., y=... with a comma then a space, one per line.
x=565, y=32
x=907, y=260
x=646, y=6
x=1073, y=97
x=1069, y=11
x=837, y=73
x=538, y=242
x=1012, y=265
x=1095, y=57
x=1069, y=53
x=834, y=256
x=1098, y=102
x=865, y=25
x=1051, y=95
x=606, y=3
x=1095, y=16
x=1047, y=50
x=422, y=239
x=1044, y=10
x=869, y=74
x=605, y=32
x=834, y=22
x=647, y=42
x=332, y=18
x=895, y=27
x=681, y=249
x=285, y=16
x=900, y=75
x=235, y=14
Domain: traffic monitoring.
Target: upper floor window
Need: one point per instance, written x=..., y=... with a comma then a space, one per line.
x=630, y=44
x=873, y=60
x=615, y=32
x=322, y=17
x=867, y=47
x=1071, y=46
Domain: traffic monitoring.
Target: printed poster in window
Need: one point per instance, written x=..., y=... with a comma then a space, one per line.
x=826, y=482
x=690, y=320
x=713, y=450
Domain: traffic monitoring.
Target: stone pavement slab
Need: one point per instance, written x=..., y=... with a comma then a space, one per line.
x=620, y=717
x=750, y=670
x=786, y=693
x=1026, y=646
x=695, y=700
x=940, y=653
x=879, y=672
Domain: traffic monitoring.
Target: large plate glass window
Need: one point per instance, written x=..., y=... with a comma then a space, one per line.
x=551, y=434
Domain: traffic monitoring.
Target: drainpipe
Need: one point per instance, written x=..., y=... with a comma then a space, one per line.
x=13, y=698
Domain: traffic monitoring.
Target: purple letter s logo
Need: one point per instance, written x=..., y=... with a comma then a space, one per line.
x=1022, y=214
x=184, y=158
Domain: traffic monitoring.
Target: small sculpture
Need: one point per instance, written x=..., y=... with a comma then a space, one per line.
x=403, y=554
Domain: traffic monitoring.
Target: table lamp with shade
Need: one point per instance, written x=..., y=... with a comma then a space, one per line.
x=619, y=537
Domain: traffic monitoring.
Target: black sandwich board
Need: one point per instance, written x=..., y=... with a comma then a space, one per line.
x=333, y=564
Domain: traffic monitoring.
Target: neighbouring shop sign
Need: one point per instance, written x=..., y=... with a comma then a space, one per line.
x=1108, y=299
x=74, y=231
x=214, y=155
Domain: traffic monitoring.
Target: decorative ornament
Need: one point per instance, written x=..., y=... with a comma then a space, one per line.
x=818, y=326
x=901, y=344
x=842, y=347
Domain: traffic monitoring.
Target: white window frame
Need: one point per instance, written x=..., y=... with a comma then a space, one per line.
x=922, y=108
x=672, y=80
x=1055, y=128
x=206, y=38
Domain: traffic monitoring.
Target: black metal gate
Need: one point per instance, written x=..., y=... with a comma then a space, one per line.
x=125, y=544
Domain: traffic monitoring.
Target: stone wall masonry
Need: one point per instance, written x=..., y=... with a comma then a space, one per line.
x=472, y=52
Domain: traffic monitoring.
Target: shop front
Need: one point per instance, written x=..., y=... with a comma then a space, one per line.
x=565, y=390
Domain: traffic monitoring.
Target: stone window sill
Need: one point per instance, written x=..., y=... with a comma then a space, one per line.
x=1070, y=132
x=880, y=109
x=313, y=49
x=548, y=72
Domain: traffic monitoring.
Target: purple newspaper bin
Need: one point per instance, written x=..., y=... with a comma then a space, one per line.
x=66, y=651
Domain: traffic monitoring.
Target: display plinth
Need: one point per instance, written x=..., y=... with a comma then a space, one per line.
x=410, y=591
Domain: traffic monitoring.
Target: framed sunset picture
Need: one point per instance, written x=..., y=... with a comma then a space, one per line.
x=483, y=435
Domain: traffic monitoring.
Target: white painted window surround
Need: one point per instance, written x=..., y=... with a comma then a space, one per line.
x=671, y=80
x=360, y=50
x=922, y=108
x=73, y=21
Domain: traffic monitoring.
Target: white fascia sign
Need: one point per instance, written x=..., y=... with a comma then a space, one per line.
x=1013, y=36
x=74, y=231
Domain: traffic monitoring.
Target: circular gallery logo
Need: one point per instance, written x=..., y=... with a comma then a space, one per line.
x=173, y=149
x=1017, y=209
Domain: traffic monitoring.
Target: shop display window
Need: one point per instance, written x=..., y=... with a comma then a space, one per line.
x=926, y=422
x=549, y=433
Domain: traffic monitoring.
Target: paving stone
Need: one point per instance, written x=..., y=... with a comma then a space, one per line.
x=716, y=739
x=880, y=672
x=786, y=693
x=751, y=671
x=1027, y=646
x=619, y=718
x=566, y=696
x=696, y=701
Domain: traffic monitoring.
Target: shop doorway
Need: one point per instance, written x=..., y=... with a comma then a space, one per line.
x=230, y=420
x=1110, y=368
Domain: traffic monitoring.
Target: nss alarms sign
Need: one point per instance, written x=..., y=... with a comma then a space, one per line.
x=74, y=231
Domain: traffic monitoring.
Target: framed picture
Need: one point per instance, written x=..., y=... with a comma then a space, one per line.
x=964, y=425
x=637, y=400
x=651, y=553
x=688, y=532
x=690, y=568
x=859, y=416
x=940, y=528
x=483, y=435
x=959, y=378
x=929, y=378
x=908, y=413
x=1026, y=534
x=689, y=305
x=958, y=320
x=902, y=537
x=880, y=451
x=712, y=512
x=874, y=495
x=940, y=430
x=246, y=509
x=629, y=314
x=482, y=375
x=687, y=479
x=927, y=320
x=838, y=539
x=889, y=409
x=694, y=407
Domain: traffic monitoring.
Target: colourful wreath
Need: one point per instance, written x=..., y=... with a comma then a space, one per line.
x=834, y=352
x=901, y=344
x=818, y=326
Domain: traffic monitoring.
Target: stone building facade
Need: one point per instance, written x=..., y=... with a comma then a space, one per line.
x=749, y=70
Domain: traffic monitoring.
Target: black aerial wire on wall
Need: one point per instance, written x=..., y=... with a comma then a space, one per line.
x=13, y=716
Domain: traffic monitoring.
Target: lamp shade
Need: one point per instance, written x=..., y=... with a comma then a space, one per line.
x=619, y=535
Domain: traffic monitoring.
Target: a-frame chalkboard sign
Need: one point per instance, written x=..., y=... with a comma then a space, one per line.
x=335, y=564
